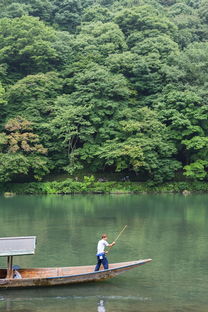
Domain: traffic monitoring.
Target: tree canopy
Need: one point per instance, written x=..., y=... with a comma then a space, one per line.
x=104, y=86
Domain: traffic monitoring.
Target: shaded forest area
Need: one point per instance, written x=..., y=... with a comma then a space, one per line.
x=104, y=86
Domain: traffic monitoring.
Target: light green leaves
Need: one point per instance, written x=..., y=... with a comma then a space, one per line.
x=196, y=170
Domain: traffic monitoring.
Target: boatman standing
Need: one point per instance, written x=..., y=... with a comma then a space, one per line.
x=101, y=253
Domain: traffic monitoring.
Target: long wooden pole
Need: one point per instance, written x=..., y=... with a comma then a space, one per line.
x=120, y=233
x=118, y=236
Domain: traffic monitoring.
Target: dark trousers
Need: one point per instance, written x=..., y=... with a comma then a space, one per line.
x=101, y=260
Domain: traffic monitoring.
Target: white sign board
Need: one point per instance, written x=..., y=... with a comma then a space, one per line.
x=17, y=246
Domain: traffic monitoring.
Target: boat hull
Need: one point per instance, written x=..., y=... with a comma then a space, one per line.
x=45, y=277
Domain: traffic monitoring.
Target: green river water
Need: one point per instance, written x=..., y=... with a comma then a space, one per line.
x=170, y=229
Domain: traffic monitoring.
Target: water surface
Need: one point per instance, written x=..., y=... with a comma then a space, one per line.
x=170, y=229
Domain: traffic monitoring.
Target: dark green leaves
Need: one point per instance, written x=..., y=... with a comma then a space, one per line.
x=108, y=85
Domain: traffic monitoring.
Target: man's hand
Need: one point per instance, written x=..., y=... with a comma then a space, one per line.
x=113, y=243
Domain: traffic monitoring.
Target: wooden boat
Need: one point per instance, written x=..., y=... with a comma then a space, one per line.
x=37, y=277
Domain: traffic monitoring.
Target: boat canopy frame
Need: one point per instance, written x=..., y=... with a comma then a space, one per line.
x=16, y=246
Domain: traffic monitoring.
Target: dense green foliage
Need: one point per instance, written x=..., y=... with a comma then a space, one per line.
x=105, y=85
x=90, y=185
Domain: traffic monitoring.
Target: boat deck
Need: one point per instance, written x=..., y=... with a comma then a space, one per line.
x=63, y=271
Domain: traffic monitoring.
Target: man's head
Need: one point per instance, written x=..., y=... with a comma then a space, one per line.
x=104, y=236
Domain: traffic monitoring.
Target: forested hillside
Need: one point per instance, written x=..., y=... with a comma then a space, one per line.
x=104, y=86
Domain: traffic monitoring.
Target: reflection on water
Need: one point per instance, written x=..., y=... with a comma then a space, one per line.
x=52, y=303
x=170, y=229
x=101, y=307
x=92, y=303
x=9, y=304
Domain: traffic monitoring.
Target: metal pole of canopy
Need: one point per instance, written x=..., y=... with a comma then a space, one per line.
x=9, y=267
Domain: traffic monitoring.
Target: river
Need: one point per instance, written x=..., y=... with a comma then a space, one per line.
x=170, y=229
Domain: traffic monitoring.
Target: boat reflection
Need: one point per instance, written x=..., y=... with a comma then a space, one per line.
x=76, y=298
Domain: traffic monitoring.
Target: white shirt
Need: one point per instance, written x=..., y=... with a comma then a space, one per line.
x=17, y=274
x=101, y=246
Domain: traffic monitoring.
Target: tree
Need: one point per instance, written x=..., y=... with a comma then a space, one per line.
x=97, y=13
x=39, y=8
x=185, y=115
x=150, y=36
x=143, y=18
x=154, y=56
x=123, y=63
x=42, y=9
x=189, y=23
x=67, y=14
x=196, y=170
x=98, y=40
x=70, y=128
x=14, y=10
x=88, y=116
x=33, y=96
x=20, y=151
x=27, y=45
x=143, y=146
x=180, y=8
x=192, y=63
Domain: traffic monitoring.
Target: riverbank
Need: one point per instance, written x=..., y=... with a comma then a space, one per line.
x=89, y=185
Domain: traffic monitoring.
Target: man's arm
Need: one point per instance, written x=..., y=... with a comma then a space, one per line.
x=110, y=245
